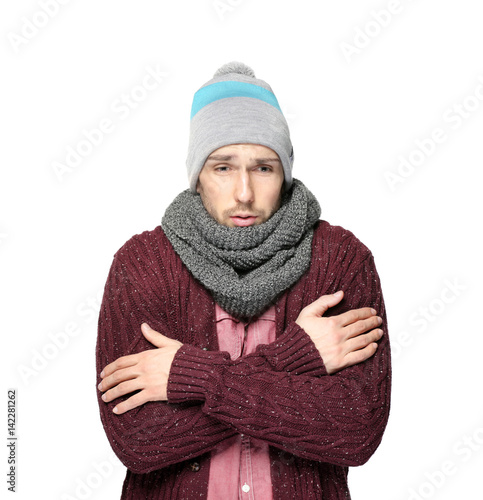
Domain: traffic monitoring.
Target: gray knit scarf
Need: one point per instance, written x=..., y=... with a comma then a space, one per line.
x=245, y=268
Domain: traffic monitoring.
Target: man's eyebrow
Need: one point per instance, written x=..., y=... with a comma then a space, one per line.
x=266, y=160
x=220, y=157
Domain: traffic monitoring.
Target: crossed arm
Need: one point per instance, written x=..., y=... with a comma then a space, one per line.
x=342, y=341
x=149, y=433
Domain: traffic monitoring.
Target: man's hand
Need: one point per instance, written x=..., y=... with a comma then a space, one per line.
x=343, y=340
x=147, y=372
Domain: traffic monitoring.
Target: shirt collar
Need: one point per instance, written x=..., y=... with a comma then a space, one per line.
x=268, y=315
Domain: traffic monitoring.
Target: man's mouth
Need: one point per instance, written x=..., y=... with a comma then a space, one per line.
x=243, y=220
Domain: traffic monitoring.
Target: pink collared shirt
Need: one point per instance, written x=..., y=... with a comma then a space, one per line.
x=240, y=466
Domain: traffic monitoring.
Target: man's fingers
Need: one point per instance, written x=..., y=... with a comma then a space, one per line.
x=156, y=338
x=117, y=377
x=362, y=326
x=120, y=363
x=320, y=306
x=362, y=341
x=121, y=390
x=354, y=315
x=133, y=402
x=361, y=355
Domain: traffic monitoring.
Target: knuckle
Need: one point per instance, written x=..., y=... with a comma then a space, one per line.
x=149, y=393
x=109, y=395
x=338, y=353
x=106, y=384
x=371, y=323
x=120, y=389
x=361, y=342
x=358, y=357
x=141, y=398
x=109, y=369
x=339, y=337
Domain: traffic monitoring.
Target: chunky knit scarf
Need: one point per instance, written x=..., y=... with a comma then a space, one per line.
x=245, y=268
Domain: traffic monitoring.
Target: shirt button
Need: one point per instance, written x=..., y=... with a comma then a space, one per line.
x=245, y=488
x=195, y=466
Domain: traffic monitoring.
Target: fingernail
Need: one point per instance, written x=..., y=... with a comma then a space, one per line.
x=338, y=294
x=115, y=410
x=104, y=397
x=100, y=386
x=102, y=373
x=373, y=311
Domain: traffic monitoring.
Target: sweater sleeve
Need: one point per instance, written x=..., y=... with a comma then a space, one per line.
x=339, y=419
x=156, y=434
x=159, y=434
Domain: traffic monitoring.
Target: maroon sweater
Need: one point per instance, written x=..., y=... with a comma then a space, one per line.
x=316, y=424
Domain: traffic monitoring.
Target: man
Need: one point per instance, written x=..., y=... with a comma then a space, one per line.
x=242, y=348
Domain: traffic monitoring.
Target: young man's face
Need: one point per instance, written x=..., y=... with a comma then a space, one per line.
x=241, y=184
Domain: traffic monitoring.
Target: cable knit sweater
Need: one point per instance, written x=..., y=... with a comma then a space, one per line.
x=317, y=425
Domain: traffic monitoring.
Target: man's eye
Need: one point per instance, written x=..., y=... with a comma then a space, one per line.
x=222, y=168
x=263, y=168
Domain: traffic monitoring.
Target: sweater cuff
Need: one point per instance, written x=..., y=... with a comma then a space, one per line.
x=294, y=352
x=189, y=373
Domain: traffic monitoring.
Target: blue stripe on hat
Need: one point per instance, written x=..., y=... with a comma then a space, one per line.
x=221, y=90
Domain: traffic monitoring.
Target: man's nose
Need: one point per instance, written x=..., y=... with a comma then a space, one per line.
x=244, y=188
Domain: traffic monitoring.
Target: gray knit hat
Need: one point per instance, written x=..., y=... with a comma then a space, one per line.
x=234, y=107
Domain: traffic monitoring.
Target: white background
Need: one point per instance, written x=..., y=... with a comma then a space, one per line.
x=351, y=118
